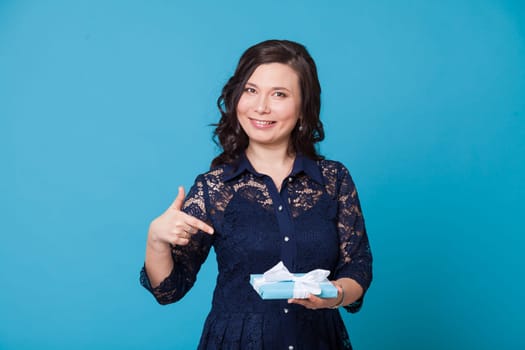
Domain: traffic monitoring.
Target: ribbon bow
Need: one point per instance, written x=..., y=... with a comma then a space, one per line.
x=303, y=285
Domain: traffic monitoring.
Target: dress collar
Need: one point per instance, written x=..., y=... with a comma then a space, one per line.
x=301, y=164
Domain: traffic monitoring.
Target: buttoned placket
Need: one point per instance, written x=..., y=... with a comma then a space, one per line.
x=281, y=201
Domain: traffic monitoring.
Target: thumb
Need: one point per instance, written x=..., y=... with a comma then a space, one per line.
x=177, y=203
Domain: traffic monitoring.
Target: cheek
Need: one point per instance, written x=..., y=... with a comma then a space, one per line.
x=242, y=106
x=242, y=112
x=288, y=111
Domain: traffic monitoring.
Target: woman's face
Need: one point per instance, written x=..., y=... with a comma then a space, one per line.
x=269, y=107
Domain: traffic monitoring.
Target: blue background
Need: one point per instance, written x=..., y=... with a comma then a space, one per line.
x=104, y=111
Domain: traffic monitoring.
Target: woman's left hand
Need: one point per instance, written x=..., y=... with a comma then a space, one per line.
x=314, y=302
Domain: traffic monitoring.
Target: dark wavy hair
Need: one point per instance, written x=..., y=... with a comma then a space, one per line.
x=229, y=134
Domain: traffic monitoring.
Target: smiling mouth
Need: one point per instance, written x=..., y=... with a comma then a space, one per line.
x=262, y=123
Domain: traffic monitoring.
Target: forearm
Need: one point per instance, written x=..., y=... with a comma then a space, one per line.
x=158, y=262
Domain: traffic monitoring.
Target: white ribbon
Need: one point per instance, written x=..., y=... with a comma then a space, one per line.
x=303, y=285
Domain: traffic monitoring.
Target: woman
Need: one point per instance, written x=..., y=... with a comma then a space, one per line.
x=268, y=197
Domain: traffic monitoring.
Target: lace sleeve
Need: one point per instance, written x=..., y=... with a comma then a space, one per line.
x=355, y=258
x=187, y=259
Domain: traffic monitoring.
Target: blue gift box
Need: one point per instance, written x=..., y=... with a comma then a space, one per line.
x=285, y=289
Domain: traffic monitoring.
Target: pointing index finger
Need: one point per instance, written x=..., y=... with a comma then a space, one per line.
x=200, y=225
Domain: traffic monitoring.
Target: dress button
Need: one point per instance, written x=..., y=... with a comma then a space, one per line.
x=285, y=310
x=280, y=208
x=286, y=238
x=290, y=347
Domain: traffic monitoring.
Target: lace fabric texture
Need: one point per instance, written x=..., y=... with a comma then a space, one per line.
x=315, y=221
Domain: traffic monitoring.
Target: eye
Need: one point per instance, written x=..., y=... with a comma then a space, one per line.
x=279, y=94
x=249, y=90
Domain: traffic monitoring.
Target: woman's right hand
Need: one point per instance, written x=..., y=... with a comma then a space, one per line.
x=174, y=227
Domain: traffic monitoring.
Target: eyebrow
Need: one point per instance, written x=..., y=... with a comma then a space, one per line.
x=273, y=88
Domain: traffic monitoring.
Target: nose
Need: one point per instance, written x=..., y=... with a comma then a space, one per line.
x=262, y=105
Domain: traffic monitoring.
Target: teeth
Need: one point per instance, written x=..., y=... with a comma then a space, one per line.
x=262, y=122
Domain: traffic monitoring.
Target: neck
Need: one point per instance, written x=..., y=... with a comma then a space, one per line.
x=269, y=157
x=276, y=163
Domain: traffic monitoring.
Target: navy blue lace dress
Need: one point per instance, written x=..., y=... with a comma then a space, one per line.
x=315, y=221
